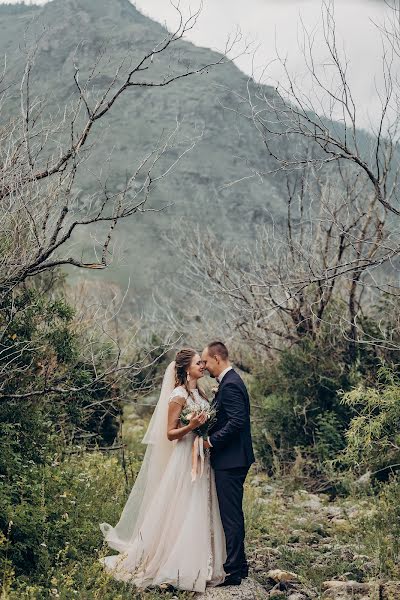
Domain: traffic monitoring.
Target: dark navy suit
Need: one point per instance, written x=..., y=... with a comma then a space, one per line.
x=231, y=457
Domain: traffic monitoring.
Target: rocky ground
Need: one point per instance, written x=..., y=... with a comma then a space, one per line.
x=250, y=589
x=303, y=546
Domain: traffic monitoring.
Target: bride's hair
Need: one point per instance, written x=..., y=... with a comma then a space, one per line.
x=183, y=360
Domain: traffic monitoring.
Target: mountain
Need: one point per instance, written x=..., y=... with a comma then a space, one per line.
x=132, y=128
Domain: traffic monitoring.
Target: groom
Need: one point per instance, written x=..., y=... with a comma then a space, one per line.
x=231, y=455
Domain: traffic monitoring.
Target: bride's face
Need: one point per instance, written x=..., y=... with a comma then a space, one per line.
x=196, y=369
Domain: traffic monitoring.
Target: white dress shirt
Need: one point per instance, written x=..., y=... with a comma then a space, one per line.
x=222, y=375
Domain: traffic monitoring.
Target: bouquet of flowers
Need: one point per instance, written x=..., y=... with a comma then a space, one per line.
x=202, y=431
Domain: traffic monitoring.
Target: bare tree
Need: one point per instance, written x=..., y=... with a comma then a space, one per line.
x=42, y=155
x=327, y=117
x=112, y=356
x=339, y=242
x=262, y=293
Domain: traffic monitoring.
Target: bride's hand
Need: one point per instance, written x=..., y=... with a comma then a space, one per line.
x=198, y=420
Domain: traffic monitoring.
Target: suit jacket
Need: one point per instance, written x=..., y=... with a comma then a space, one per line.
x=230, y=436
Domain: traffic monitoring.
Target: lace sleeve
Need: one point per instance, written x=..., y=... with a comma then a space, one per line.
x=179, y=396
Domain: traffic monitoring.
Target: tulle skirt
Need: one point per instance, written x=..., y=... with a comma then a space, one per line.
x=181, y=540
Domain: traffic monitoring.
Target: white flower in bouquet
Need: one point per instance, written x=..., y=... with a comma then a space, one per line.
x=202, y=430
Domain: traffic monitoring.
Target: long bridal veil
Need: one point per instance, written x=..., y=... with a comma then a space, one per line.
x=157, y=455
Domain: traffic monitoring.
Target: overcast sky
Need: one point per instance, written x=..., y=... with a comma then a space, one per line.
x=270, y=23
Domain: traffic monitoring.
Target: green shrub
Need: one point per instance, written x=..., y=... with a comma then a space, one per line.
x=379, y=529
x=297, y=404
x=299, y=414
x=373, y=437
x=53, y=540
x=329, y=435
x=41, y=349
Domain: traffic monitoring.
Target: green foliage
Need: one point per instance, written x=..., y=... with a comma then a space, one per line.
x=55, y=486
x=283, y=533
x=52, y=543
x=298, y=404
x=41, y=349
x=380, y=529
x=329, y=435
x=373, y=438
x=52, y=539
x=36, y=338
x=306, y=401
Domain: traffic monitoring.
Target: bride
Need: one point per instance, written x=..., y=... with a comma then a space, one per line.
x=170, y=529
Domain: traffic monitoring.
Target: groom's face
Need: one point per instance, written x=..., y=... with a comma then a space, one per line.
x=210, y=363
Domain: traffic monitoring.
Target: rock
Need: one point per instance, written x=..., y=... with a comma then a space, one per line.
x=341, y=524
x=267, y=489
x=297, y=596
x=277, y=575
x=312, y=504
x=257, y=480
x=348, y=586
x=364, y=479
x=336, y=595
x=390, y=590
x=249, y=589
x=352, y=512
x=353, y=590
x=350, y=590
x=334, y=512
x=272, y=551
x=314, y=497
x=310, y=501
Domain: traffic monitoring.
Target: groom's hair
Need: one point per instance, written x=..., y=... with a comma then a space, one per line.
x=218, y=348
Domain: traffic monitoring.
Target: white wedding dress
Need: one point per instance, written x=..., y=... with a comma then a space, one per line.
x=170, y=530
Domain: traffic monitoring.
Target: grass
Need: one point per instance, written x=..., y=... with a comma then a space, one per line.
x=286, y=529
x=319, y=540
x=88, y=489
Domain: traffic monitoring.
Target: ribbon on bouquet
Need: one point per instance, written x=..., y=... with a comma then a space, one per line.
x=197, y=453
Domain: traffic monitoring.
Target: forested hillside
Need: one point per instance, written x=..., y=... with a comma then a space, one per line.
x=297, y=273
x=224, y=148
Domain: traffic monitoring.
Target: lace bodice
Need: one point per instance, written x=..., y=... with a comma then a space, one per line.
x=196, y=402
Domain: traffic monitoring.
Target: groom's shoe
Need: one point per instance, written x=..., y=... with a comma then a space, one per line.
x=244, y=572
x=231, y=580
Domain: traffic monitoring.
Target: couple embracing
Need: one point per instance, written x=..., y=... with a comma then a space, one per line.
x=183, y=522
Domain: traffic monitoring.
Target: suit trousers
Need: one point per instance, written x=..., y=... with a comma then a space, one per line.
x=229, y=484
